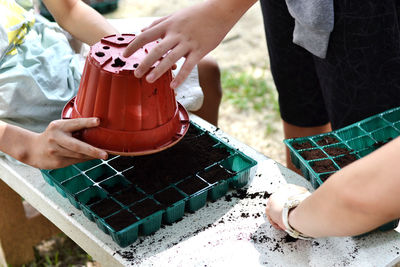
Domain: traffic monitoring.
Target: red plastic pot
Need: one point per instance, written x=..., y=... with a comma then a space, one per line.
x=136, y=117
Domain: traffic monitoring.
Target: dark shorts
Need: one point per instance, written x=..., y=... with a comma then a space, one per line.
x=360, y=75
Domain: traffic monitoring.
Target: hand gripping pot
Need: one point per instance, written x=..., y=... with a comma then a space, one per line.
x=136, y=117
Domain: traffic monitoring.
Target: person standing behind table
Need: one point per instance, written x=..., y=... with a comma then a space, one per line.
x=344, y=70
x=370, y=58
x=334, y=62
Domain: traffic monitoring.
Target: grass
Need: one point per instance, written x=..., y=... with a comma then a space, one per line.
x=59, y=251
x=247, y=90
x=251, y=90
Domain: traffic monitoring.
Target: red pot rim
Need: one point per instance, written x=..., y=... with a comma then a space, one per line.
x=182, y=115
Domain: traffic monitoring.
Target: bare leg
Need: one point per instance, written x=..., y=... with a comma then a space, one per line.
x=210, y=82
x=292, y=131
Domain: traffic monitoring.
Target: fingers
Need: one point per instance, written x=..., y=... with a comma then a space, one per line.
x=270, y=213
x=155, y=54
x=184, y=72
x=155, y=22
x=59, y=134
x=73, y=125
x=274, y=224
x=55, y=156
x=59, y=151
x=166, y=63
x=76, y=146
x=142, y=39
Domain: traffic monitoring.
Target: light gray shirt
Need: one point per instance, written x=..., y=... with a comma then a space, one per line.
x=314, y=20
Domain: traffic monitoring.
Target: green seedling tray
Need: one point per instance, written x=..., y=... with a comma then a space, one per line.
x=86, y=184
x=361, y=138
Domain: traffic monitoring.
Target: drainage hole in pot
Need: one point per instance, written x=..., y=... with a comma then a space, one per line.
x=118, y=63
x=135, y=65
x=120, y=39
x=99, y=54
x=106, y=47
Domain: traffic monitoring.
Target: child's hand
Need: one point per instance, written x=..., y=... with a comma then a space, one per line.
x=189, y=33
x=56, y=148
x=276, y=202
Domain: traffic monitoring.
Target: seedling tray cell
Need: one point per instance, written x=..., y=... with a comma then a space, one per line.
x=114, y=184
x=150, y=212
x=164, y=183
x=103, y=210
x=219, y=177
x=88, y=197
x=87, y=165
x=151, y=224
x=100, y=172
x=61, y=175
x=310, y=154
x=373, y=123
x=241, y=166
x=325, y=140
x=360, y=139
x=350, y=133
x=392, y=116
x=121, y=163
x=196, y=201
x=129, y=196
x=75, y=185
x=361, y=143
x=364, y=152
x=299, y=145
x=196, y=189
x=123, y=227
x=397, y=126
x=344, y=160
x=336, y=149
x=384, y=135
x=174, y=212
x=174, y=202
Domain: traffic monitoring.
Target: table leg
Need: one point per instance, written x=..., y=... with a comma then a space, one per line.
x=18, y=234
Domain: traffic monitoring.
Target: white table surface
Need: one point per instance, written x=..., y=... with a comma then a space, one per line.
x=216, y=235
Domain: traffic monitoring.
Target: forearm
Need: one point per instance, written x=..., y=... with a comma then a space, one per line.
x=80, y=20
x=359, y=198
x=15, y=141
